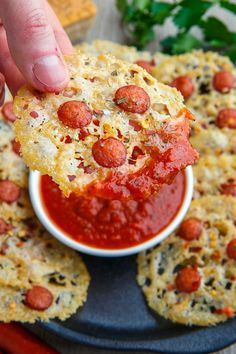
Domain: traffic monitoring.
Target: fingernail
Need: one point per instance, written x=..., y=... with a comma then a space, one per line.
x=50, y=71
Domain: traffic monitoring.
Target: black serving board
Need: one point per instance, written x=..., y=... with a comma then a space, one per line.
x=116, y=316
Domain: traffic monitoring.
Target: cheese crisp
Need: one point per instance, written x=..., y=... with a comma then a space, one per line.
x=40, y=278
x=197, y=73
x=114, y=132
x=190, y=277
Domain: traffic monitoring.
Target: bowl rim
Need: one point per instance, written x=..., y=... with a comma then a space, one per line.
x=51, y=227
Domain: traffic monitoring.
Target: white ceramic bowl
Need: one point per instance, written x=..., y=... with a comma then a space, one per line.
x=34, y=189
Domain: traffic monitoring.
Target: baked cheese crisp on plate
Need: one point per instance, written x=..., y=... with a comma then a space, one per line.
x=190, y=277
x=40, y=278
x=114, y=132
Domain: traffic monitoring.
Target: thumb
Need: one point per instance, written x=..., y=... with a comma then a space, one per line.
x=33, y=45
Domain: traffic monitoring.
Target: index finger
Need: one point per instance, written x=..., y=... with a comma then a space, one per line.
x=2, y=89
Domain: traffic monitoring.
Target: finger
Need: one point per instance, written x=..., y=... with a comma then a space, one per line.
x=60, y=34
x=33, y=45
x=13, y=77
x=2, y=89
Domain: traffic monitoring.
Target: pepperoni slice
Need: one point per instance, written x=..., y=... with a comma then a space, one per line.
x=132, y=98
x=109, y=152
x=4, y=227
x=229, y=189
x=38, y=298
x=223, y=81
x=185, y=85
x=9, y=191
x=188, y=280
x=7, y=111
x=16, y=146
x=231, y=249
x=74, y=114
x=146, y=65
x=190, y=229
x=228, y=311
x=226, y=118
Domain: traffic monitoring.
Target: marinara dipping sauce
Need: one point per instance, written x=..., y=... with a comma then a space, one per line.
x=111, y=224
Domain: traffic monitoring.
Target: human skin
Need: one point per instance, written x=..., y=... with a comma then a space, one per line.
x=32, y=44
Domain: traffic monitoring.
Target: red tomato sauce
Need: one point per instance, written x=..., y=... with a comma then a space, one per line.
x=112, y=224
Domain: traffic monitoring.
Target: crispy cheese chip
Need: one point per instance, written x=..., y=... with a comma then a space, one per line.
x=197, y=73
x=123, y=52
x=190, y=277
x=114, y=132
x=40, y=278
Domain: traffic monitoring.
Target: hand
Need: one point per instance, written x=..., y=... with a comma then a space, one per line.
x=32, y=44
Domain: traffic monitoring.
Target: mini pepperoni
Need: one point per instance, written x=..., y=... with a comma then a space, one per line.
x=229, y=189
x=185, y=85
x=9, y=191
x=133, y=99
x=7, y=111
x=4, y=227
x=16, y=146
x=109, y=152
x=231, y=249
x=226, y=118
x=38, y=298
x=190, y=229
x=223, y=81
x=228, y=311
x=34, y=114
x=74, y=114
x=188, y=280
x=146, y=65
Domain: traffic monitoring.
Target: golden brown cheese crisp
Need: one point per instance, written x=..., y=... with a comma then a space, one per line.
x=193, y=281
x=197, y=73
x=31, y=260
x=112, y=129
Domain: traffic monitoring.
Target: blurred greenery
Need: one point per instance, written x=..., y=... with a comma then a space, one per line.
x=140, y=17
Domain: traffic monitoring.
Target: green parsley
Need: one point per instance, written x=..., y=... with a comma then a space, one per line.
x=140, y=17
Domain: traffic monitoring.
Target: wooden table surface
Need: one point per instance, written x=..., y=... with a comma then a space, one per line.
x=107, y=26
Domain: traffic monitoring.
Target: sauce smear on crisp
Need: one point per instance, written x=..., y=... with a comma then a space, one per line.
x=112, y=224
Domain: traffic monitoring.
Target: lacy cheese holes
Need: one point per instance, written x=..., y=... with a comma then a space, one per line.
x=109, y=152
x=132, y=98
x=223, y=81
x=74, y=114
x=9, y=191
x=226, y=118
x=190, y=229
x=146, y=65
x=231, y=249
x=228, y=189
x=185, y=85
x=38, y=298
x=188, y=279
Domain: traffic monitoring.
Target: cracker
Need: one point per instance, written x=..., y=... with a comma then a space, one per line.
x=218, y=284
x=43, y=139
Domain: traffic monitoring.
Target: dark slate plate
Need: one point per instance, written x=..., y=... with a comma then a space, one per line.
x=115, y=316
